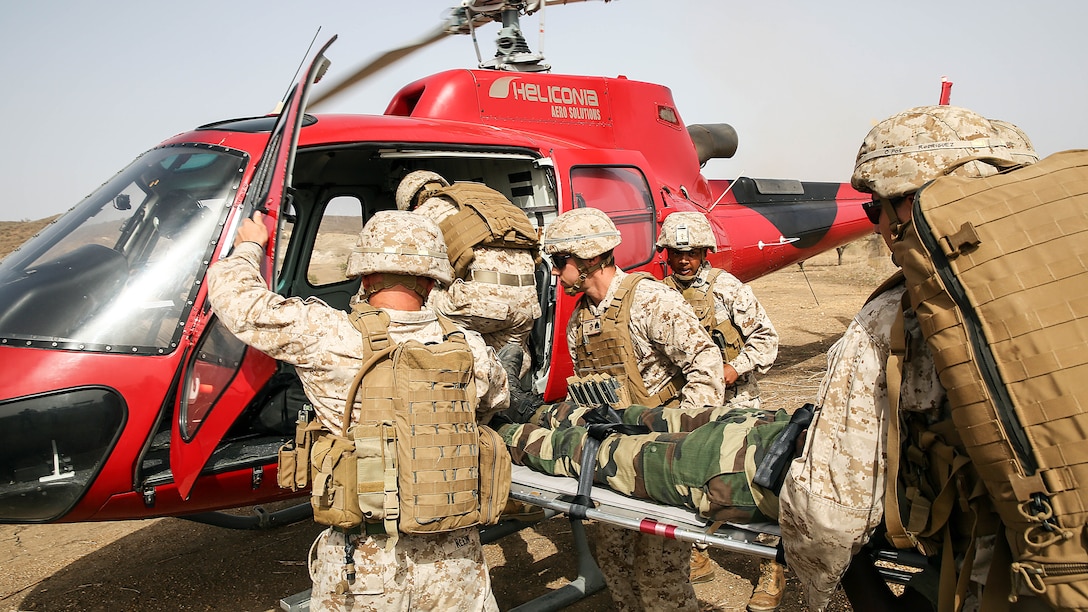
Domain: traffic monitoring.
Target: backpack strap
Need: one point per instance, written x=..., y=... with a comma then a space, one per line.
x=893, y=519
x=374, y=326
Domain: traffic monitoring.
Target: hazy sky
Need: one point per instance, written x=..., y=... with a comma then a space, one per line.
x=90, y=85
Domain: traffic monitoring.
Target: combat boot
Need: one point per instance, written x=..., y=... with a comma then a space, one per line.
x=769, y=589
x=702, y=568
x=523, y=402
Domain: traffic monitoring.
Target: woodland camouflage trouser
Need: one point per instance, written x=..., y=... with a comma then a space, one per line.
x=708, y=469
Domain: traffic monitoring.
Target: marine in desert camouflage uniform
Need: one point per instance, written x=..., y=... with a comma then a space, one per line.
x=687, y=237
x=832, y=500
x=666, y=344
x=497, y=296
x=740, y=326
x=442, y=571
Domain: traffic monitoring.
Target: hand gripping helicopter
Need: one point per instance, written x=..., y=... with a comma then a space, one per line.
x=132, y=400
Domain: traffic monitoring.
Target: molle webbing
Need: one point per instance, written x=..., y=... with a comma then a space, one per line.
x=609, y=352
x=484, y=217
x=997, y=269
x=417, y=438
x=726, y=335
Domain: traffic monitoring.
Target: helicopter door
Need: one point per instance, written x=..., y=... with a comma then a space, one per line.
x=620, y=184
x=191, y=442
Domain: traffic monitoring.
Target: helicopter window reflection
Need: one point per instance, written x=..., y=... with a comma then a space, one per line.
x=624, y=195
x=118, y=272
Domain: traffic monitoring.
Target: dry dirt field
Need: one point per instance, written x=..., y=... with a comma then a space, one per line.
x=173, y=564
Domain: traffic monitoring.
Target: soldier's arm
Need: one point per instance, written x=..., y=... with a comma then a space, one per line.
x=833, y=495
x=739, y=303
x=675, y=330
x=283, y=328
x=492, y=387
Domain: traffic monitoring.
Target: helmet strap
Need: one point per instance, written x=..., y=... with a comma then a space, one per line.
x=373, y=283
x=584, y=271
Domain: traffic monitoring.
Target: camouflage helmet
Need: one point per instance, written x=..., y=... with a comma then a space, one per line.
x=400, y=242
x=907, y=150
x=684, y=231
x=1020, y=147
x=582, y=232
x=413, y=184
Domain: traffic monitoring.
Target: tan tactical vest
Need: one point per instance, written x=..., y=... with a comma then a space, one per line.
x=484, y=217
x=725, y=334
x=416, y=439
x=604, y=347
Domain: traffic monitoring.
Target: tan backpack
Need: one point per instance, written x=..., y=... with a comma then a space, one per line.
x=484, y=218
x=416, y=461
x=997, y=273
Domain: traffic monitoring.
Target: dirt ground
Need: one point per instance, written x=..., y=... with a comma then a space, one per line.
x=173, y=564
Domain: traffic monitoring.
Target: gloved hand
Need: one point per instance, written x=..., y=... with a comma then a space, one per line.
x=523, y=402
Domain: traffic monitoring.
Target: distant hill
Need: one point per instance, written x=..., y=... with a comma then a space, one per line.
x=15, y=233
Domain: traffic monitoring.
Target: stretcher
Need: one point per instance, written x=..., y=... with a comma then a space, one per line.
x=561, y=495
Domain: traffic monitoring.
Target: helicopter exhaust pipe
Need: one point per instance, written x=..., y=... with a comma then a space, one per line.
x=713, y=140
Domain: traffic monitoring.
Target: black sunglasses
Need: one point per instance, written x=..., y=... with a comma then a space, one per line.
x=559, y=260
x=873, y=207
x=872, y=210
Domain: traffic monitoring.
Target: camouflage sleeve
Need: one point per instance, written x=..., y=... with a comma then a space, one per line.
x=671, y=326
x=286, y=329
x=736, y=301
x=491, y=385
x=833, y=495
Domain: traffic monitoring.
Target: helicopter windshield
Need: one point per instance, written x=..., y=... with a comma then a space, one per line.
x=117, y=273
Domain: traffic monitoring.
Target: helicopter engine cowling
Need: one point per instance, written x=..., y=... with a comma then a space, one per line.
x=713, y=140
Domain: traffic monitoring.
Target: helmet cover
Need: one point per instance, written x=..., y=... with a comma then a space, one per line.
x=415, y=182
x=909, y=149
x=400, y=242
x=684, y=231
x=582, y=232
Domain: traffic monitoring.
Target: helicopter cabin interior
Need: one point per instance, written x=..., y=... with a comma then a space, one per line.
x=334, y=190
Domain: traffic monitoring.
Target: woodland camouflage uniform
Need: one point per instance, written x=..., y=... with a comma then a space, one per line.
x=442, y=571
x=707, y=469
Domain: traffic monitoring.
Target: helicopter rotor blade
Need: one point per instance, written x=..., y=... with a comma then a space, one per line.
x=382, y=61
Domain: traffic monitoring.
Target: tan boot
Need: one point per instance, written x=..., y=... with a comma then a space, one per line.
x=769, y=589
x=702, y=568
x=521, y=511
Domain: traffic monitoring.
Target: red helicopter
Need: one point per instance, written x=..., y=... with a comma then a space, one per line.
x=132, y=401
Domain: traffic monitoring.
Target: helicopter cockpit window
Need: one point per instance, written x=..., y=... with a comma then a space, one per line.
x=336, y=236
x=624, y=195
x=118, y=272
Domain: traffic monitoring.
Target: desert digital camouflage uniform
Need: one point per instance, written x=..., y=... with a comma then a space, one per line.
x=666, y=339
x=420, y=571
x=501, y=313
x=833, y=496
x=735, y=301
x=708, y=470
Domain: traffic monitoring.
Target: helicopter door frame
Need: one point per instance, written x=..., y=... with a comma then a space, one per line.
x=267, y=190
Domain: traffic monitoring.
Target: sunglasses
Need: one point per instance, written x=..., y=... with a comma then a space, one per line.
x=872, y=210
x=873, y=207
x=559, y=260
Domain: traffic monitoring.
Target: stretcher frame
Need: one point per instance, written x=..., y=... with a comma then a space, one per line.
x=559, y=495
